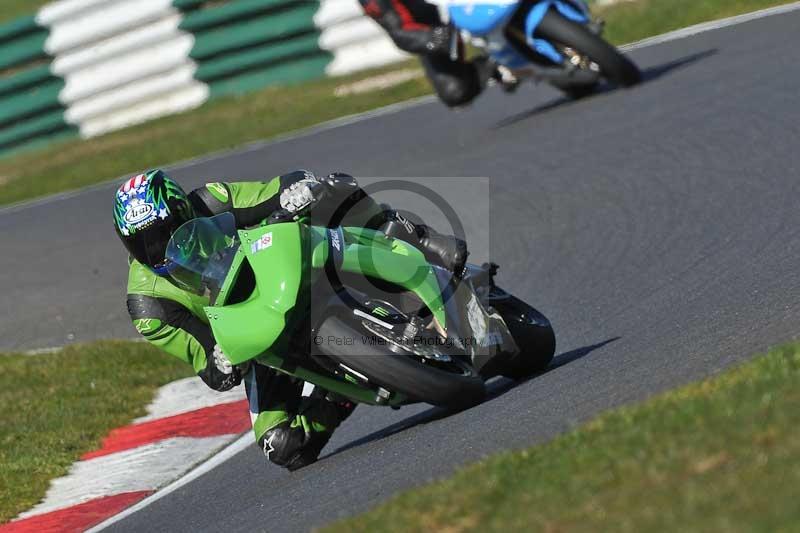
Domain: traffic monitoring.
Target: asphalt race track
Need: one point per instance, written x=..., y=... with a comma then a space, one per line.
x=656, y=227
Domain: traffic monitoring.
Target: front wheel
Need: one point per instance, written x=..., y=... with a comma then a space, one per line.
x=533, y=334
x=455, y=386
x=575, y=37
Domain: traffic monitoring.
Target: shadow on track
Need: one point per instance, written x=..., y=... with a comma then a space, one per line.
x=648, y=75
x=495, y=388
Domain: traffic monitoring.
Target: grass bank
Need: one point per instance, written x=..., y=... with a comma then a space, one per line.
x=719, y=455
x=230, y=122
x=630, y=21
x=55, y=407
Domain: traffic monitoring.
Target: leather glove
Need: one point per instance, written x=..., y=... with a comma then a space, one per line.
x=232, y=374
x=440, y=40
x=302, y=194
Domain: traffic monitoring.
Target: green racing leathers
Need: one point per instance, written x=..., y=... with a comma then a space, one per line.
x=291, y=429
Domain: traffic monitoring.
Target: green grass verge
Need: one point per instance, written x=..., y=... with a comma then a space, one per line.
x=221, y=124
x=720, y=455
x=55, y=407
x=230, y=122
x=634, y=20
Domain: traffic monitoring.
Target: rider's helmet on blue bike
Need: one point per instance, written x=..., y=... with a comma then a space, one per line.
x=148, y=208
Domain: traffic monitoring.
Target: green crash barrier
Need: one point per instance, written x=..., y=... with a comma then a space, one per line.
x=22, y=132
x=24, y=49
x=240, y=46
x=188, y=5
x=238, y=36
x=230, y=12
x=18, y=106
x=29, y=108
x=16, y=28
x=26, y=79
x=257, y=58
x=40, y=141
x=245, y=45
x=291, y=72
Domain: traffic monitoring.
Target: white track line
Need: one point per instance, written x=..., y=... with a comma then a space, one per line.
x=246, y=439
x=395, y=108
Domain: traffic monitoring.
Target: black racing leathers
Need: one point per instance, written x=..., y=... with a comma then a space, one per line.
x=416, y=27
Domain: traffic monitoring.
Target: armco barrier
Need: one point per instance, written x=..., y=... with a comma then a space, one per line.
x=29, y=107
x=355, y=40
x=94, y=66
x=123, y=61
x=247, y=44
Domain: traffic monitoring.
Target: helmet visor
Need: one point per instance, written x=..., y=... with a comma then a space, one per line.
x=200, y=252
x=149, y=245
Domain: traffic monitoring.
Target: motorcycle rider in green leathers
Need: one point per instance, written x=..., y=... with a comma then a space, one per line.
x=148, y=208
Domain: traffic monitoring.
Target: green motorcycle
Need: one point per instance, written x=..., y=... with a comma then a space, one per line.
x=356, y=312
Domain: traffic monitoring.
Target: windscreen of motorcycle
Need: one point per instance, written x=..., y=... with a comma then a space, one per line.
x=201, y=252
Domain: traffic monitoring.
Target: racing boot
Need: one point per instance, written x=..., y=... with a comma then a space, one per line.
x=298, y=442
x=444, y=250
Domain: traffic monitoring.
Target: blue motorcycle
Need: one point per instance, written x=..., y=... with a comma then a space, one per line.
x=545, y=40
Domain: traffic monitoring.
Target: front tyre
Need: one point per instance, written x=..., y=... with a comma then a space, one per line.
x=458, y=388
x=533, y=334
x=614, y=66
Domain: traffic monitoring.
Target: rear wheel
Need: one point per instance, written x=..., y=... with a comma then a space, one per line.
x=584, y=48
x=454, y=384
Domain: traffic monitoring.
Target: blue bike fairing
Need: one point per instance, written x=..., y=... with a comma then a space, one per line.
x=535, y=16
x=480, y=19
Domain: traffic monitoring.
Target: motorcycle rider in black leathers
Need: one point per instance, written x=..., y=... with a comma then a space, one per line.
x=416, y=27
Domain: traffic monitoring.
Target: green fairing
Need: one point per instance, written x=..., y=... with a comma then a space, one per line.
x=371, y=253
x=351, y=390
x=247, y=330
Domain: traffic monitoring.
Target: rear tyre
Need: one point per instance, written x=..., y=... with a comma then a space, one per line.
x=456, y=389
x=614, y=66
x=533, y=334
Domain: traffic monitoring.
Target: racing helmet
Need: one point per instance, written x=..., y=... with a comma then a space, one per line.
x=148, y=208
